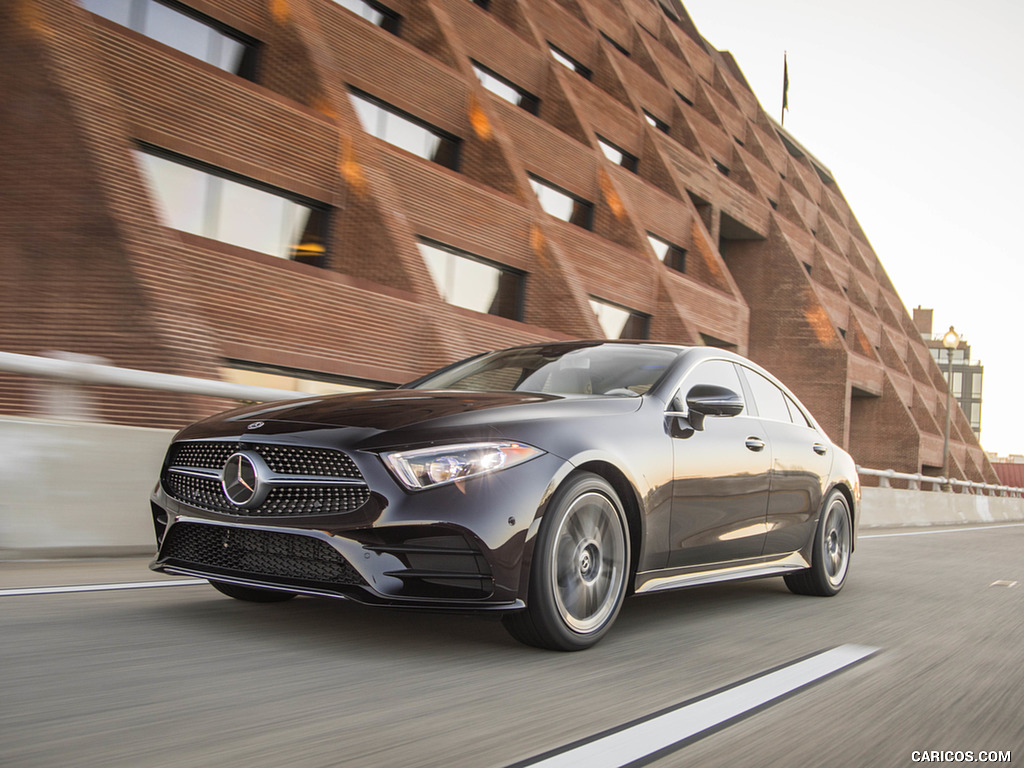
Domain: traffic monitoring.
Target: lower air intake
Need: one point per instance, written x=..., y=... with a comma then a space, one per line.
x=267, y=555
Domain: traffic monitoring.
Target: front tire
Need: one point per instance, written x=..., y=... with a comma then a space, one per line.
x=580, y=568
x=830, y=558
x=251, y=594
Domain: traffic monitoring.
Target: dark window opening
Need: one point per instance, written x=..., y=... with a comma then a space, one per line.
x=656, y=122
x=506, y=89
x=672, y=255
x=393, y=125
x=684, y=99
x=568, y=61
x=617, y=155
x=466, y=280
x=374, y=12
x=620, y=48
x=185, y=30
x=210, y=202
x=619, y=322
x=563, y=204
x=722, y=168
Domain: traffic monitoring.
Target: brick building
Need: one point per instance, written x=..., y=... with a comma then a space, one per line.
x=356, y=192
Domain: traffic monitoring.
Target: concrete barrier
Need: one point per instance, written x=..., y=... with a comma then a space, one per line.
x=885, y=507
x=70, y=489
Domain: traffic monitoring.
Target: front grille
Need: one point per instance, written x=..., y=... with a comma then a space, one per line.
x=285, y=459
x=202, y=492
x=193, y=476
x=258, y=554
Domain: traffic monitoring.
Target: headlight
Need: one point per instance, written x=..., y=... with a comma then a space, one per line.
x=427, y=467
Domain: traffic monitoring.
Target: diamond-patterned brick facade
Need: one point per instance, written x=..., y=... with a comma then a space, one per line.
x=775, y=267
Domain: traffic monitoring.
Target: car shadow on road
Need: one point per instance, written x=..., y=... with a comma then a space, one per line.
x=332, y=625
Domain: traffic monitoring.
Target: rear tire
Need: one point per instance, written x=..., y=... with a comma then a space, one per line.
x=580, y=568
x=251, y=594
x=830, y=558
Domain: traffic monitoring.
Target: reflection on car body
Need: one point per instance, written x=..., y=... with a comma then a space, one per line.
x=545, y=482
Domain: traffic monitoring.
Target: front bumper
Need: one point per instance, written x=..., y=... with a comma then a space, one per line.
x=458, y=547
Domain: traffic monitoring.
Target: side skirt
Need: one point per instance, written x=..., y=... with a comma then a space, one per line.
x=655, y=581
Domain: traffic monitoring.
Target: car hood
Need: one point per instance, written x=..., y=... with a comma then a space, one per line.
x=404, y=409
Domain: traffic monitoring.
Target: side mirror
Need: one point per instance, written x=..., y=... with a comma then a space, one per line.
x=711, y=400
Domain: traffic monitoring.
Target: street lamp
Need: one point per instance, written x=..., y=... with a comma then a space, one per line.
x=951, y=340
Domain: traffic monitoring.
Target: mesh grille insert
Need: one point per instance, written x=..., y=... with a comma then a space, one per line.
x=285, y=498
x=285, y=459
x=255, y=553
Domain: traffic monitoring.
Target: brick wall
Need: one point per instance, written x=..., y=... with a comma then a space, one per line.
x=777, y=266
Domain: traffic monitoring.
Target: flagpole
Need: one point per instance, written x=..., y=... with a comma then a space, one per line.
x=785, y=87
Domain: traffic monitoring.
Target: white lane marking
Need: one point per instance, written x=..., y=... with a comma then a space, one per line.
x=941, y=530
x=664, y=732
x=100, y=587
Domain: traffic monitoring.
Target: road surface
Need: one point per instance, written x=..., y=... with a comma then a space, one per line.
x=182, y=676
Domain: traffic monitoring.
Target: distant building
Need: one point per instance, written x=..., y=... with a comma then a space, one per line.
x=967, y=376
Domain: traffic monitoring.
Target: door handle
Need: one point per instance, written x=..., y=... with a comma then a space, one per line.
x=820, y=449
x=755, y=444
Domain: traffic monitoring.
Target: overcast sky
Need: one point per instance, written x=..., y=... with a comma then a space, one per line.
x=916, y=108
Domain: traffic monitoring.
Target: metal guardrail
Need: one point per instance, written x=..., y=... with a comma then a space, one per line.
x=917, y=482
x=94, y=373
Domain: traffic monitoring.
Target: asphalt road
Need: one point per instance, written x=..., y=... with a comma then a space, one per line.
x=183, y=676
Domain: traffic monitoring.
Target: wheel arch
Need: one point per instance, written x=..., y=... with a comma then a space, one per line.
x=630, y=504
x=847, y=493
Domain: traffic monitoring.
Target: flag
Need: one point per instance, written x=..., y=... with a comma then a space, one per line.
x=785, y=87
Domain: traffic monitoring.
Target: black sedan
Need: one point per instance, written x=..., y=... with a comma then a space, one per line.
x=545, y=482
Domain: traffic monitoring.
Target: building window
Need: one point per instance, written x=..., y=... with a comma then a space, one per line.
x=687, y=101
x=375, y=13
x=209, y=202
x=618, y=322
x=724, y=170
x=293, y=379
x=669, y=11
x=618, y=47
x=185, y=30
x=617, y=155
x=405, y=131
x=975, y=416
x=672, y=255
x=468, y=281
x=485, y=4
x=568, y=61
x=656, y=122
x=561, y=204
x=506, y=89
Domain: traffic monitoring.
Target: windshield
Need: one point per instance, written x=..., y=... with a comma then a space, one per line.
x=602, y=369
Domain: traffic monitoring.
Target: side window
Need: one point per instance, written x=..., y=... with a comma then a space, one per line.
x=718, y=372
x=796, y=415
x=771, y=401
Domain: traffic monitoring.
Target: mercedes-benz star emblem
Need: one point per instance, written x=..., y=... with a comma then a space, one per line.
x=241, y=480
